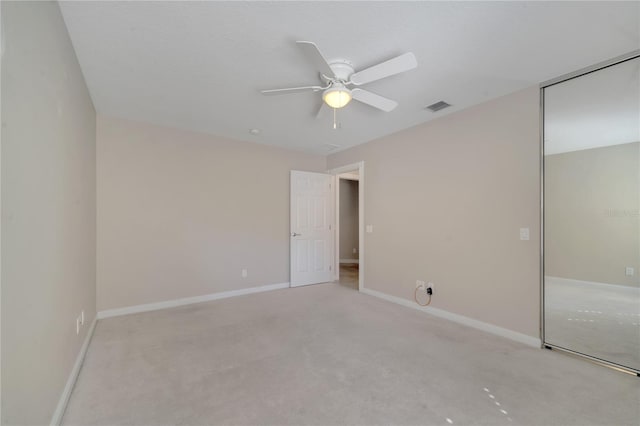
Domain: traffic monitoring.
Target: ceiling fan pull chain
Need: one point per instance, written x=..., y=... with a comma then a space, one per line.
x=334, y=119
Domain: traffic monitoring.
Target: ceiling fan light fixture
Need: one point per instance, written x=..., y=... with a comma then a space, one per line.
x=337, y=96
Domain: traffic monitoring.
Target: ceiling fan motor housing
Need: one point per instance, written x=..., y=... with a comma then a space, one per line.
x=342, y=70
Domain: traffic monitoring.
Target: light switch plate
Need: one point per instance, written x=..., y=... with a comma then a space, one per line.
x=524, y=234
x=369, y=229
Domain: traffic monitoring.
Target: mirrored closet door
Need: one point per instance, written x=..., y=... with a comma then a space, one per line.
x=591, y=133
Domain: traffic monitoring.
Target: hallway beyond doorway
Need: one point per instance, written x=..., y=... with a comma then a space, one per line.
x=349, y=275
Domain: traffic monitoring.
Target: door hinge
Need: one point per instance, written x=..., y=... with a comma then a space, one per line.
x=329, y=267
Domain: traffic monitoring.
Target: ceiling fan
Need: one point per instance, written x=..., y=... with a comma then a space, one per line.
x=338, y=77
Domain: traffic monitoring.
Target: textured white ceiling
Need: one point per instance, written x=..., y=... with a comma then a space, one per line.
x=594, y=110
x=200, y=65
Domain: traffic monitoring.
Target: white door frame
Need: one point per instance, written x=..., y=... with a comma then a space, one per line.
x=359, y=166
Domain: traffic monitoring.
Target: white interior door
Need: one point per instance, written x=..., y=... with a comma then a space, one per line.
x=312, y=229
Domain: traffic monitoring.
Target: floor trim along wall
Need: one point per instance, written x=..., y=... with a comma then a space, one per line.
x=188, y=300
x=590, y=283
x=349, y=261
x=470, y=322
x=71, y=381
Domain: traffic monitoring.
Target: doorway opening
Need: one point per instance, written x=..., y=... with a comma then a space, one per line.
x=348, y=253
x=349, y=215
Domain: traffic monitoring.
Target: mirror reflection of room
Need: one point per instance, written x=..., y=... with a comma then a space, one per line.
x=592, y=214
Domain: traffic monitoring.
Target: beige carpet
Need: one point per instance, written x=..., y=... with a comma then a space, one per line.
x=328, y=355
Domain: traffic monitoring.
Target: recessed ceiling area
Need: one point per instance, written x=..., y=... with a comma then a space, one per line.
x=201, y=65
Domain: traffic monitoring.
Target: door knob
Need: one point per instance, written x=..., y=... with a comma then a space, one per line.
x=295, y=234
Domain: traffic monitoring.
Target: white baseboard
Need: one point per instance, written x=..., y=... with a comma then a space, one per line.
x=73, y=376
x=349, y=261
x=460, y=319
x=187, y=300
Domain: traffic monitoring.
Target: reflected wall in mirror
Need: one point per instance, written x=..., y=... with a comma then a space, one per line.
x=592, y=214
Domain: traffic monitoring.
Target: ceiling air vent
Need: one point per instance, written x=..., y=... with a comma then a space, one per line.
x=438, y=106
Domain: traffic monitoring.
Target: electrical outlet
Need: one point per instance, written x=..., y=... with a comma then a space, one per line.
x=244, y=273
x=419, y=284
x=355, y=250
x=431, y=286
x=629, y=271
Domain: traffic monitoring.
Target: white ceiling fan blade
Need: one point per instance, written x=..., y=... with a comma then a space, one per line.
x=373, y=100
x=291, y=90
x=393, y=66
x=315, y=56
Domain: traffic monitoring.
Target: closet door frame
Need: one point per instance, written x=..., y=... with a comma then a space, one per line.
x=576, y=74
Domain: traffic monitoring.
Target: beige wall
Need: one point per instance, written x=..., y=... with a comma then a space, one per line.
x=348, y=219
x=48, y=210
x=446, y=200
x=180, y=214
x=592, y=226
